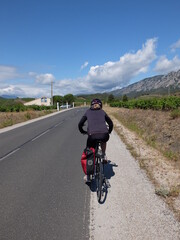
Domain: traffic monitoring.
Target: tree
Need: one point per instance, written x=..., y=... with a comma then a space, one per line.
x=111, y=98
x=57, y=99
x=125, y=98
x=69, y=98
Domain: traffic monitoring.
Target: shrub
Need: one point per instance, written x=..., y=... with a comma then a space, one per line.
x=7, y=123
x=175, y=113
x=28, y=116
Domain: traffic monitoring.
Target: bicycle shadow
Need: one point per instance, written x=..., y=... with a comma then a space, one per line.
x=108, y=169
x=108, y=173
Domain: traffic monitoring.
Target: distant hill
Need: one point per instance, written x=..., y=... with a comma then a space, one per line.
x=89, y=97
x=161, y=84
x=9, y=96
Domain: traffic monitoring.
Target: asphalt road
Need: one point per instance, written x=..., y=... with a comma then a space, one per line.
x=42, y=193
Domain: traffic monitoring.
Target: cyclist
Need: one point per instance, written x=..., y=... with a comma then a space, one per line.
x=97, y=127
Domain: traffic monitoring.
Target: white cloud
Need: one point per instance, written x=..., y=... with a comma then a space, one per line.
x=32, y=74
x=84, y=65
x=11, y=90
x=45, y=78
x=164, y=65
x=100, y=78
x=74, y=86
x=112, y=74
x=37, y=89
x=175, y=46
x=24, y=91
x=7, y=73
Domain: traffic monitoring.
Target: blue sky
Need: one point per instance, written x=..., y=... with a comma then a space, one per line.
x=85, y=46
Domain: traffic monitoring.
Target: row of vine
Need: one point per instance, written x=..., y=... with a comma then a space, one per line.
x=164, y=103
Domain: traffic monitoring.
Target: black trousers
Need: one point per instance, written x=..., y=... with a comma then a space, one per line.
x=92, y=139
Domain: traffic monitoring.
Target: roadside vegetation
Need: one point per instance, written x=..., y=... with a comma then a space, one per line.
x=163, y=103
x=14, y=111
x=17, y=105
x=155, y=119
x=11, y=118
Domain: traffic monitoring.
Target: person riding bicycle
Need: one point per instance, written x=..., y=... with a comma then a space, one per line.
x=97, y=127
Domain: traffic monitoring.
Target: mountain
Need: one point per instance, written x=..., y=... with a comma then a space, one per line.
x=161, y=84
x=9, y=96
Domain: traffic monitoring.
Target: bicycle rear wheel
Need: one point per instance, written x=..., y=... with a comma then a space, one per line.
x=99, y=181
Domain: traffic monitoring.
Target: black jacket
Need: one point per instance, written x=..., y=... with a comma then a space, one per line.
x=96, y=119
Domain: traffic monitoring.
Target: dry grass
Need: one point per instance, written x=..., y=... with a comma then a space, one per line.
x=9, y=119
x=153, y=138
x=157, y=128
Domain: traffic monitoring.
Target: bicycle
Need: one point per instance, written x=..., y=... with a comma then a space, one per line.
x=101, y=182
x=101, y=185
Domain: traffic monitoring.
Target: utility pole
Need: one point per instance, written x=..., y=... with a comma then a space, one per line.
x=51, y=92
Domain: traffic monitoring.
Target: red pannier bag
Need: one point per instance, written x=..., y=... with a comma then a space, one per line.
x=88, y=160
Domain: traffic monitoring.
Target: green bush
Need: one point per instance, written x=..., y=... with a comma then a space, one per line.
x=40, y=108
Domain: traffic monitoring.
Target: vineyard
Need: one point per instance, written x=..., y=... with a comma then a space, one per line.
x=165, y=103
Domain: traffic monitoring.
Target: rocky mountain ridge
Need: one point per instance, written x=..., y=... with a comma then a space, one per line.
x=159, y=84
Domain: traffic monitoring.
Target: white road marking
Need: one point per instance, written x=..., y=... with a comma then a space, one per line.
x=9, y=154
x=40, y=135
x=6, y=129
x=58, y=124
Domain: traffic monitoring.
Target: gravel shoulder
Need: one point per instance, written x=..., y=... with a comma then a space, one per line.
x=163, y=172
x=132, y=210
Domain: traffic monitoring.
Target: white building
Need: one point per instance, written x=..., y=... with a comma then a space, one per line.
x=43, y=101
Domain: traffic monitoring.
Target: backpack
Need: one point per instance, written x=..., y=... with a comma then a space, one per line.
x=88, y=160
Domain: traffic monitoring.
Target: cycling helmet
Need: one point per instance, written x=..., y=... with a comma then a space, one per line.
x=96, y=101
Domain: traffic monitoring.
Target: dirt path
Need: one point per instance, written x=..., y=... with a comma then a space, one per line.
x=132, y=210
